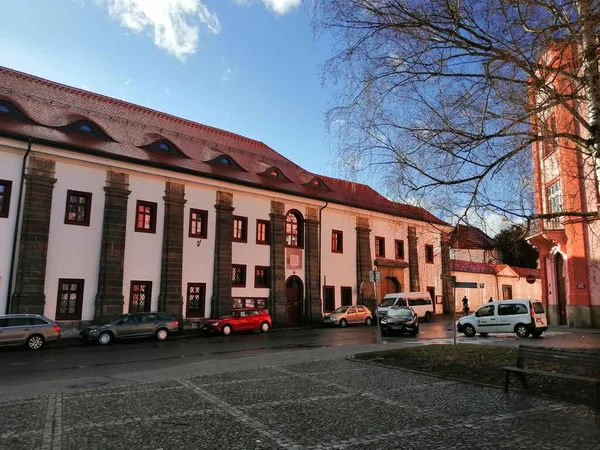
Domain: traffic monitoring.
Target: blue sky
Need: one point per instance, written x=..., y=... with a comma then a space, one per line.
x=247, y=66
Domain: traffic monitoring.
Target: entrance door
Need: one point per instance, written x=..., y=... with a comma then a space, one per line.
x=294, y=299
x=507, y=292
x=560, y=289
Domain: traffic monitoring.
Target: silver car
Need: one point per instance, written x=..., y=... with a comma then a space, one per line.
x=133, y=325
x=32, y=330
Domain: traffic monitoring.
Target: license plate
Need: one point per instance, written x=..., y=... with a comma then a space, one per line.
x=539, y=321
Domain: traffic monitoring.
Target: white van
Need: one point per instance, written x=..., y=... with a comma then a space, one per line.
x=522, y=316
x=420, y=302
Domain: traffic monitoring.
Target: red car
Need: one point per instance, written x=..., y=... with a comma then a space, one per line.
x=246, y=319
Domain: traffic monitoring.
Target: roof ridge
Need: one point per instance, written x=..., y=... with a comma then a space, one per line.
x=132, y=106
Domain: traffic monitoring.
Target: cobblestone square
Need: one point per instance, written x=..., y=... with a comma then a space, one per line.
x=320, y=405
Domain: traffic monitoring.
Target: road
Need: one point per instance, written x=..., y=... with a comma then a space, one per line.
x=24, y=372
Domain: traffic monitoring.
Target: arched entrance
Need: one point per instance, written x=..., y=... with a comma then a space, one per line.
x=294, y=290
x=561, y=297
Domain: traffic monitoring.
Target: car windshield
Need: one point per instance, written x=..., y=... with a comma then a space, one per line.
x=340, y=310
x=387, y=302
x=401, y=312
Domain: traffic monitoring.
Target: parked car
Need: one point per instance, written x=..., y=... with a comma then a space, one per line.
x=243, y=319
x=400, y=319
x=32, y=330
x=345, y=315
x=133, y=325
x=420, y=302
x=523, y=317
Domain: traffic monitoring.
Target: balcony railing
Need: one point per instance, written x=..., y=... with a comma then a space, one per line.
x=553, y=224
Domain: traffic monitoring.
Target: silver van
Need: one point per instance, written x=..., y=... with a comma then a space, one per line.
x=419, y=302
x=32, y=330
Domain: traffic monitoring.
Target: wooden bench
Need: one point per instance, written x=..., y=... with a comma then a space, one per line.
x=546, y=354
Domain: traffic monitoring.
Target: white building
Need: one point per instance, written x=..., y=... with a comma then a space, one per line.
x=107, y=207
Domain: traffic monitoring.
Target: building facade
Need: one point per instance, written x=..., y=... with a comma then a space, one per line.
x=566, y=180
x=107, y=207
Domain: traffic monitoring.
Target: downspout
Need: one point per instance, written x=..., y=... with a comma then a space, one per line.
x=319, y=248
x=16, y=233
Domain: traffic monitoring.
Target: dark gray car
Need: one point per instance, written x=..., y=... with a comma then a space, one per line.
x=134, y=325
x=32, y=330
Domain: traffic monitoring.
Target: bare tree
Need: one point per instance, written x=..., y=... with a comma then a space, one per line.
x=447, y=97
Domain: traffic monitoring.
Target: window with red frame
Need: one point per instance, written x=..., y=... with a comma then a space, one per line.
x=145, y=218
x=379, y=247
x=196, y=298
x=399, y=249
x=70, y=299
x=294, y=225
x=140, y=296
x=240, y=229
x=238, y=275
x=346, y=295
x=550, y=142
x=262, y=232
x=261, y=276
x=337, y=241
x=429, y=254
x=78, y=209
x=328, y=298
x=198, y=223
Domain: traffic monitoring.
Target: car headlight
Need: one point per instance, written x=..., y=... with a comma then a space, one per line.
x=93, y=331
x=333, y=317
x=383, y=320
x=215, y=323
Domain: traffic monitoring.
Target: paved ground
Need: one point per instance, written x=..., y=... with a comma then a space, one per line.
x=319, y=404
x=56, y=369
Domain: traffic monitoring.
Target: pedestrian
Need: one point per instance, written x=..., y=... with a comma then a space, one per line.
x=490, y=300
x=465, y=302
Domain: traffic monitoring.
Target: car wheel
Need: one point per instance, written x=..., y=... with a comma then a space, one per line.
x=343, y=323
x=536, y=333
x=483, y=334
x=265, y=327
x=105, y=338
x=521, y=330
x=368, y=321
x=35, y=342
x=226, y=330
x=427, y=316
x=162, y=334
x=469, y=330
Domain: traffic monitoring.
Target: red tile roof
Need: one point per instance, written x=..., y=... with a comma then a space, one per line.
x=466, y=236
x=51, y=105
x=479, y=267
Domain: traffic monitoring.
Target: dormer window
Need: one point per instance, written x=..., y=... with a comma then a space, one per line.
x=10, y=111
x=225, y=160
x=164, y=146
x=317, y=183
x=274, y=172
x=86, y=127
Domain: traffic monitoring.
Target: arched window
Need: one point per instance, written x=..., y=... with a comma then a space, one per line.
x=4, y=109
x=85, y=128
x=294, y=229
x=8, y=110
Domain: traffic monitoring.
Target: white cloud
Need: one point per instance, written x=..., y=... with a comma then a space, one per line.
x=174, y=24
x=127, y=81
x=281, y=7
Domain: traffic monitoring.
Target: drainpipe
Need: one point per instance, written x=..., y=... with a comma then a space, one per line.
x=319, y=247
x=16, y=233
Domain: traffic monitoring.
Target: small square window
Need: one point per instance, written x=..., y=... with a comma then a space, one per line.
x=5, y=190
x=79, y=206
x=429, y=254
x=70, y=299
x=145, y=217
x=379, y=247
x=240, y=229
x=196, y=298
x=262, y=232
x=198, y=223
x=337, y=241
x=238, y=275
x=399, y=249
x=262, y=276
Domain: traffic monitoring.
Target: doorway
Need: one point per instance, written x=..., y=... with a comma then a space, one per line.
x=561, y=298
x=507, y=292
x=294, y=289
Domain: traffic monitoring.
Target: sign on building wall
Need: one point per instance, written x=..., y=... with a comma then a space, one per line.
x=293, y=258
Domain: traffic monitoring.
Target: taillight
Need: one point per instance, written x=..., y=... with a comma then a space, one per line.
x=176, y=324
x=56, y=328
x=531, y=311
